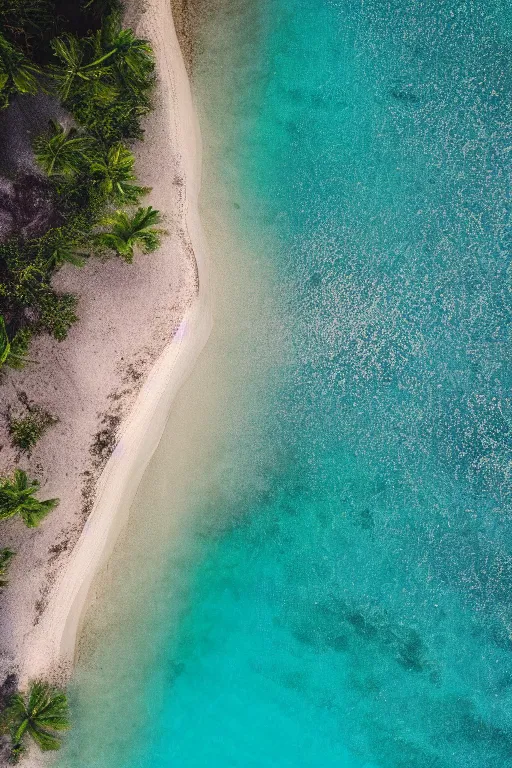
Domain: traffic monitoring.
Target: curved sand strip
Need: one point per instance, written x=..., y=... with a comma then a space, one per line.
x=49, y=648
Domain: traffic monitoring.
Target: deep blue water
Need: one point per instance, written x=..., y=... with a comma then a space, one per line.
x=352, y=606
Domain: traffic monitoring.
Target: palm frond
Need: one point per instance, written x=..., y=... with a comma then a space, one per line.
x=45, y=741
x=13, y=351
x=17, y=705
x=41, y=714
x=76, y=64
x=61, y=152
x=17, y=73
x=34, y=511
x=18, y=733
x=6, y=556
x=113, y=171
x=38, y=697
x=128, y=232
x=19, y=347
x=64, y=250
x=17, y=498
x=5, y=345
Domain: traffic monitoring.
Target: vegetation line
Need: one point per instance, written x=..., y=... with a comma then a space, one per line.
x=75, y=55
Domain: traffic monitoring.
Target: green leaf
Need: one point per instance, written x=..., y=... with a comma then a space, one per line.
x=6, y=556
x=5, y=347
x=128, y=232
x=46, y=741
x=17, y=498
x=40, y=714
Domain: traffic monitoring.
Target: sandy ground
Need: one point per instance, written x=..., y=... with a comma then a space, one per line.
x=110, y=383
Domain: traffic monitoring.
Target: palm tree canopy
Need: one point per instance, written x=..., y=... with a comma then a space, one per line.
x=127, y=232
x=114, y=172
x=17, y=73
x=66, y=250
x=40, y=713
x=77, y=63
x=133, y=57
x=17, y=498
x=61, y=152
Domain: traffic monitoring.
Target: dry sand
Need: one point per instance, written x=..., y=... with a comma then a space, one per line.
x=110, y=383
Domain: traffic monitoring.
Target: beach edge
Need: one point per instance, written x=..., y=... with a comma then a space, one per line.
x=49, y=649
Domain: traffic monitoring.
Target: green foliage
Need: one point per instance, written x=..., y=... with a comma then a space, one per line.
x=26, y=293
x=83, y=162
x=113, y=170
x=17, y=73
x=133, y=61
x=63, y=247
x=17, y=752
x=105, y=80
x=19, y=348
x=60, y=152
x=13, y=352
x=6, y=556
x=104, y=76
x=41, y=714
x=57, y=313
x=29, y=24
x=128, y=232
x=80, y=69
x=27, y=429
x=17, y=498
x=98, y=10
x=81, y=207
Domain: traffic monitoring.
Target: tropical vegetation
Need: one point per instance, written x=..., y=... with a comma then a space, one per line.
x=6, y=556
x=13, y=351
x=61, y=152
x=41, y=714
x=127, y=232
x=17, y=498
x=17, y=73
x=83, y=201
x=103, y=76
x=25, y=430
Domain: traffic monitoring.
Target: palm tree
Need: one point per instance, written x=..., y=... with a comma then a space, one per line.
x=66, y=244
x=6, y=556
x=41, y=713
x=76, y=68
x=12, y=353
x=133, y=57
x=100, y=9
x=17, y=498
x=17, y=73
x=5, y=344
x=27, y=22
x=65, y=249
x=61, y=152
x=114, y=171
x=128, y=232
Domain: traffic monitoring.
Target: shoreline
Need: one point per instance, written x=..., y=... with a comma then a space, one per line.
x=49, y=648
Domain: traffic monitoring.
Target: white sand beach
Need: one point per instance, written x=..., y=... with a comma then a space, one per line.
x=111, y=384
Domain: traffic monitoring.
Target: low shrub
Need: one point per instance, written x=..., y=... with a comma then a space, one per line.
x=26, y=430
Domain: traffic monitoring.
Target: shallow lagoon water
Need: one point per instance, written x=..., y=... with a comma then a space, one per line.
x=318, y=568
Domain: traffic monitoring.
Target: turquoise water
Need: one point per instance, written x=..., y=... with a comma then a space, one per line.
x=344, y=601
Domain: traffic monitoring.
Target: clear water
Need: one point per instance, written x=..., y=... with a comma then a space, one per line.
x=338, y=588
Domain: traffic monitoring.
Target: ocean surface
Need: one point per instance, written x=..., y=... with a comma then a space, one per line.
x=318, y=570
